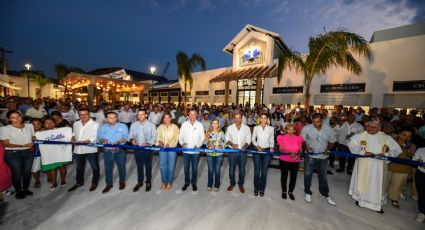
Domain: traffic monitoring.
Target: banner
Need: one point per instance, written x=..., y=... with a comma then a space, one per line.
x=55, y=153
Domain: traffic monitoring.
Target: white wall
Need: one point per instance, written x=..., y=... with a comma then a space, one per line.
x=47, y=91
x=394, y=60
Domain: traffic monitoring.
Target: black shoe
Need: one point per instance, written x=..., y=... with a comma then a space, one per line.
x=137, y=187
x=284, y=195
x=185, y=187
x=28, y=192
x=357, y=203
x=122, y=186
x=148, y=187
x=20, y=195
x=340, y=170
x=93, y=187
x=107, y=188
x=255, y=193
x=73, y=188
x=330, y=172
x=291, y=196
x=261, y=193
x=194, y=187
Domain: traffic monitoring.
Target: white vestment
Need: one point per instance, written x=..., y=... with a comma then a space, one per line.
x=368, y=179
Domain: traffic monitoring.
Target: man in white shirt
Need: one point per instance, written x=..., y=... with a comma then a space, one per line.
x=85, y=131
x=346, y=131
x=126, y=115
x=155, y=116
x=192, y=135
x=420, y=183
x=183, y=118
x=206, y=122
x=36, y=111
x=238, y=136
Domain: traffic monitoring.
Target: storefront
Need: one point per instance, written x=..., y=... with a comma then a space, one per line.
x=110, y=84
x=395, y=77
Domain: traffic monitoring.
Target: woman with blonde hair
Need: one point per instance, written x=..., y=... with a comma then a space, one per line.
x=291, y=145
x=215, y=140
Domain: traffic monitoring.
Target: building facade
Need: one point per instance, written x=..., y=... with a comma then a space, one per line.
x=395, y=78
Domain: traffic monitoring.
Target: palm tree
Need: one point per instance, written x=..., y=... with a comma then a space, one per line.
x=38, y=77
x=62, y=71
x=186, y=65
x=332, y=49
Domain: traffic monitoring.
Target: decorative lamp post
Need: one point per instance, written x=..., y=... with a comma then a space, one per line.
x=153, y=69
x=28, y=66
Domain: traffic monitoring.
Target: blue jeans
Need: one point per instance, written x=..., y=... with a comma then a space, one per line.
x=237, y=159
x=261, y=166
x=144, y=162
x=322, y=166
x=214, y=166
x=80, y=161
x=167, y=161
x=189, y=159
x=20, y=163
x=108, y=159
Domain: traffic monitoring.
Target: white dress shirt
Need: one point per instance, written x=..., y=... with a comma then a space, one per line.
x=348, y=130
x=126, y=116
x=155, y=118
x=192, y=135
x=263, y=137
x=84, y=133
x=420, y=155
x=237, y=136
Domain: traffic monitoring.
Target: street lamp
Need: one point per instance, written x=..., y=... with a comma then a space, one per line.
x=28, y=66
x=153, y=69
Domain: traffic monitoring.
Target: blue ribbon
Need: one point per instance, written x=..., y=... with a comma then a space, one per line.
x=154, y=148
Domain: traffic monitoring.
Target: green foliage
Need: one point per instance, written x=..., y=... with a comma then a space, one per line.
x=186, y=65
x=332, y=49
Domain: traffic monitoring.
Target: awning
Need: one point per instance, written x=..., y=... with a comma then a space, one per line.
x=247, y=73
x=7, y=85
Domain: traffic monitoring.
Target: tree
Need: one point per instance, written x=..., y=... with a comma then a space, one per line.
x=62, y=71
x=39, y=78
x=332, y=49
x=185, y=67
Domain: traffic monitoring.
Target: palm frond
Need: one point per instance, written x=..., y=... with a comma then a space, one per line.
x=290, y=60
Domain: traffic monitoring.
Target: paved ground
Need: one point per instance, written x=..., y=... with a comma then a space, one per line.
x=174, y=209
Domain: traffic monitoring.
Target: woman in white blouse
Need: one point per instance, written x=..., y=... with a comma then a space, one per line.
x=17, y=140
x=263, y=140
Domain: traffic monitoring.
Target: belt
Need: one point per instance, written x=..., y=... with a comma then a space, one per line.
x=16, y=150
x=111, y=149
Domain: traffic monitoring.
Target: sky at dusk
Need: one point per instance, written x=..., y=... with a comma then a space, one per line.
x=136, y=34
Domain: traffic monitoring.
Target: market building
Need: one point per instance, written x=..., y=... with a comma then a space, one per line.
x=395, y=78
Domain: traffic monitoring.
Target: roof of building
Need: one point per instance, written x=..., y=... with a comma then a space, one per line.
x=247, y=29
x=247, y=73
x=399, y=32
x=137, y=76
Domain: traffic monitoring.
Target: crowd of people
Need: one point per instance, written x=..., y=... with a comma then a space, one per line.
x=309, y=136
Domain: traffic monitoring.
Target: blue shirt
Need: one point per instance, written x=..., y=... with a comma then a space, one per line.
x=112, y=133
x=143, y=133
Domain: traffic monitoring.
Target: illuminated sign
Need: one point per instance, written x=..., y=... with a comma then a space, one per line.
x=252, y=53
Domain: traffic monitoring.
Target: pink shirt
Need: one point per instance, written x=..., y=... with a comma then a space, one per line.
x=292, y=144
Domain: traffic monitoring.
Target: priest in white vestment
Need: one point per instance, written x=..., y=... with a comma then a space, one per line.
x=368, y=180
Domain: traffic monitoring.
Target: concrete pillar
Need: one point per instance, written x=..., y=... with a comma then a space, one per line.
x=226, y=91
